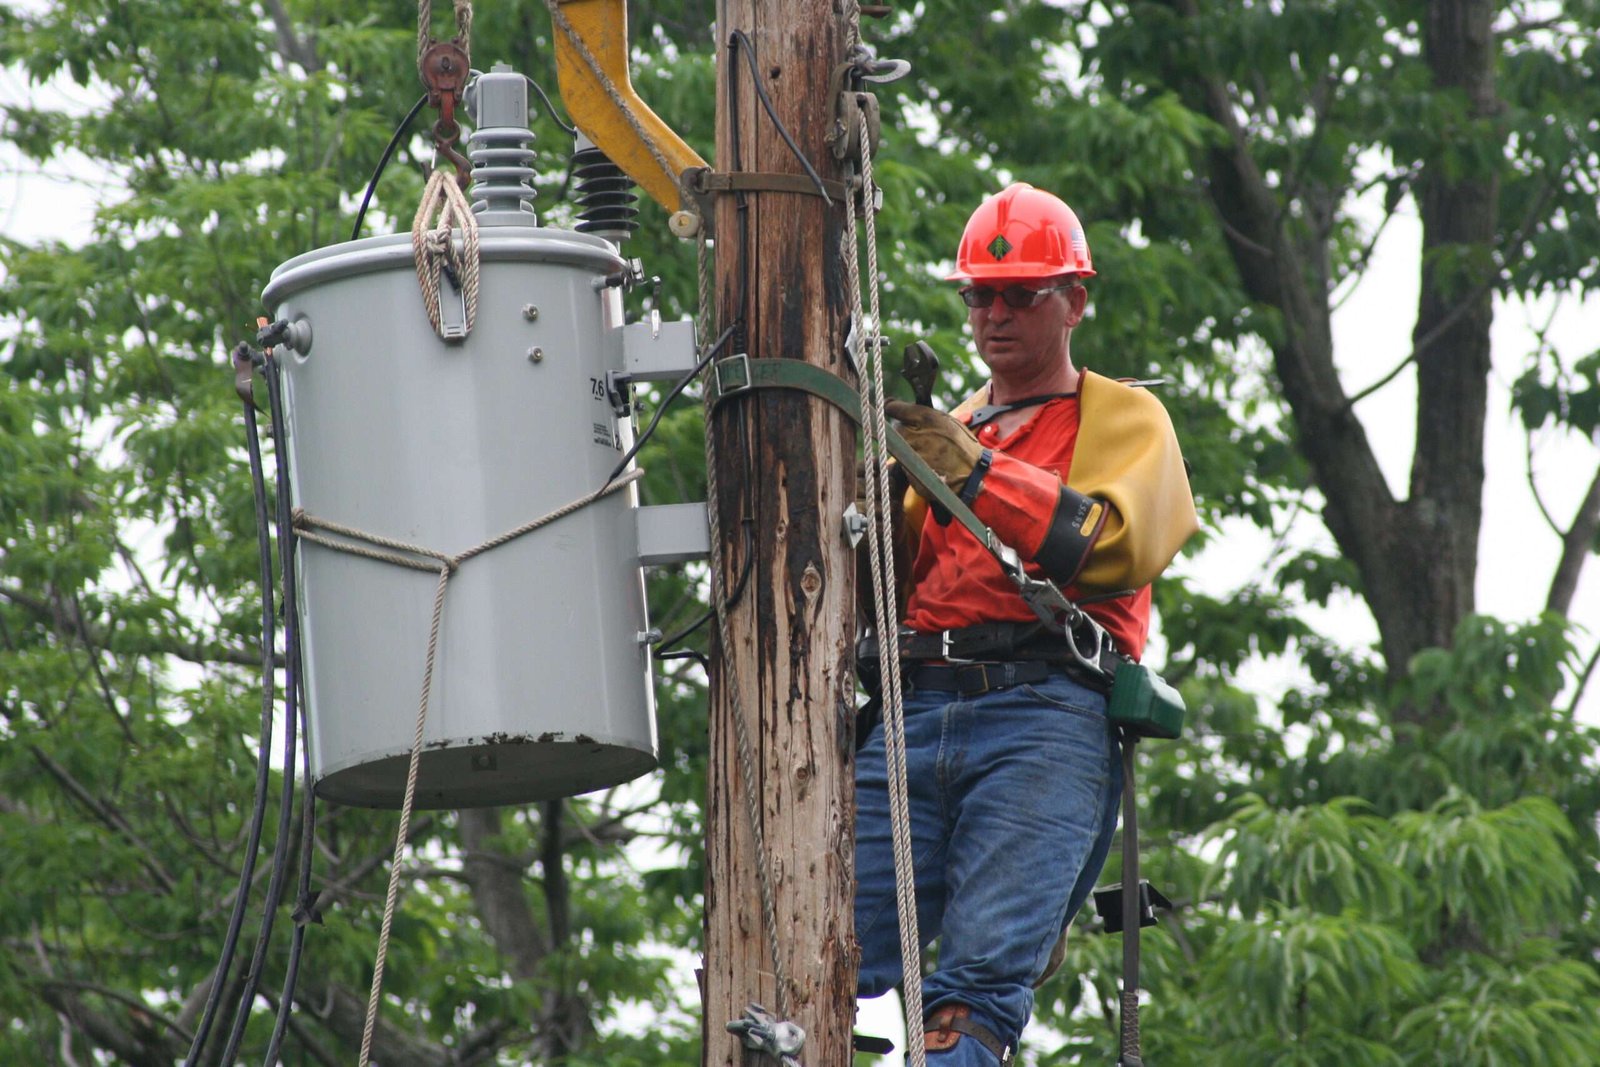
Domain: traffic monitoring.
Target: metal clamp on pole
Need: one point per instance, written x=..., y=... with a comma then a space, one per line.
x=762, y=1031
x=733, y=375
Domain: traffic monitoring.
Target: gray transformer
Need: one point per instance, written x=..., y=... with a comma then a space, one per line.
x=541, y=686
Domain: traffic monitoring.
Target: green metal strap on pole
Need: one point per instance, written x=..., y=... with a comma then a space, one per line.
x=738, y=374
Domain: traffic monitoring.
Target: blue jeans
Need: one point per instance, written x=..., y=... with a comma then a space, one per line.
x=1013, y=802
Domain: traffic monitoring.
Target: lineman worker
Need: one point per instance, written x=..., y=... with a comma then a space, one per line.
x=1012, y=765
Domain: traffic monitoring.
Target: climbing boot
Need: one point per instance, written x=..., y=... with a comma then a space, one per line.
x=949, y=1023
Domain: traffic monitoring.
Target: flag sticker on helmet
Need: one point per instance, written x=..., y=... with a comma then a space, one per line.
x=1021, y=233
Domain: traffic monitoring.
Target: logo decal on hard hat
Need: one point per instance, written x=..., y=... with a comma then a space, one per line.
x=999, y=247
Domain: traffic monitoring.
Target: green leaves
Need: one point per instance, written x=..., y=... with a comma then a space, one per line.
x=1353, y=888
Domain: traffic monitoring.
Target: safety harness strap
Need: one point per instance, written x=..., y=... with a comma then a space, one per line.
x=737, y=374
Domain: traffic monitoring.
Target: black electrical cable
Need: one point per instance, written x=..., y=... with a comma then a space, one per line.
x=678, y=387
x=741, y=204
x=230, y=942
x=294, y=705
x=740, y=38
x=727, y=602
x=383, y=162
x=688, y=653
x=572, y=131
x=280, y=851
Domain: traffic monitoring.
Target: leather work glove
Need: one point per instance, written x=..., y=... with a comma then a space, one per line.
x=943, y=442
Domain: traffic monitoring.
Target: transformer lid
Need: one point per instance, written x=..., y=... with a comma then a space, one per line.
x=499, y=244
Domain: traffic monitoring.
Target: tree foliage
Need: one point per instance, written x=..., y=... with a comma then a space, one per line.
x=1395, y=863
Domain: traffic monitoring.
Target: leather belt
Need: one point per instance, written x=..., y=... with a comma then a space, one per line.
x=986, y=641
x=998, y=642
x=971, y=679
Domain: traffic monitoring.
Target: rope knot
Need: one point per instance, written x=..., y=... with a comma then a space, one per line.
x=444, y=211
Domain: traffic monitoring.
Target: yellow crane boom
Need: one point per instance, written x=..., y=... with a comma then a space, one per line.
x=591, y=43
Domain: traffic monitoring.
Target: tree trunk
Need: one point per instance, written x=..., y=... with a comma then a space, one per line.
x=781, y=460
x=1460, y=225
x=1418, y=557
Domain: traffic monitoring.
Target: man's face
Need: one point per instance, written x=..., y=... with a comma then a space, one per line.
x=1020, y=341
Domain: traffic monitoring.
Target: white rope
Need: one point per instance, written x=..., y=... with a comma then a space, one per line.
x=402, y=554
x=880, y=542
x=463, y=9
x=433, y=244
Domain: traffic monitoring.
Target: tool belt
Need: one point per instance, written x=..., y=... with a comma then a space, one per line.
x=979, y=659
x=992, y=645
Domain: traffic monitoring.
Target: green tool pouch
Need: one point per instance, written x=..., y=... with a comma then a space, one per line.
x=1144, y=703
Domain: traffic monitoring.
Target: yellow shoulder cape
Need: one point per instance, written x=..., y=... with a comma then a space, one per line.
x=1127, y=454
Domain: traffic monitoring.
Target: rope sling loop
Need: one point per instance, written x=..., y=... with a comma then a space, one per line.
x=880, y=540
x=434, y=247
x=357, y=542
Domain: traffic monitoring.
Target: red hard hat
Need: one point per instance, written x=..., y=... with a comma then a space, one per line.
x=1022, y=232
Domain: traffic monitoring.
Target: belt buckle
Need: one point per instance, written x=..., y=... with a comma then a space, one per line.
x=985, y=684
x=947, y=652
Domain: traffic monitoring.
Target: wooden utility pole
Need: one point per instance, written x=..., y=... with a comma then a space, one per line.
x=784, y=461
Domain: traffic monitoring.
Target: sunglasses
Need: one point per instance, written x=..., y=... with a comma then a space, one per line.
x=1015, y=296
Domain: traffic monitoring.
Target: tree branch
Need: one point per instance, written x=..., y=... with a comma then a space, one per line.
x=1576, y=545
x=66, y=623
x=295, y=49
x=1470, y=298
x=1583, y=681
x=344, y=1013
x=93, y=650
x=107, y=814
x=138, y=1005
x=145, y=1047
x=499, y=893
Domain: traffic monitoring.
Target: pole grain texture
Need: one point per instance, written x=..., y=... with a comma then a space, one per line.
x=784, y=462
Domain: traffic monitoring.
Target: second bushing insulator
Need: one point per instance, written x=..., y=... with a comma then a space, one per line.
x=607, y=203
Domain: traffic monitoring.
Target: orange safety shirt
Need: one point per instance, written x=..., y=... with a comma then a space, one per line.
x=956, y=582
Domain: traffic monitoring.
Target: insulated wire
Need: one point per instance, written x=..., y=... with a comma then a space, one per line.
x=383, y=162
x=661, y=408
x=280, y=851
x=263, y=760
x=405, y=125
x=729, y=601
x=292, y=706
x=741, y=39
x=572, y=131
x=741, y=204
